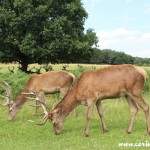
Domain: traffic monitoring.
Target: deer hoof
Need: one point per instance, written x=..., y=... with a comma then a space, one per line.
x=85, y=135
x=128, y=132
x=147, y=133
x=105, y=131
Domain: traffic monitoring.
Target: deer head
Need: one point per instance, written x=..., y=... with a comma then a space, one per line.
x=57, y=118
x=13, y=106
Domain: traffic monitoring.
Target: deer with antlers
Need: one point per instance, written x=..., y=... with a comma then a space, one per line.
x=41, y=84
x=94, y=86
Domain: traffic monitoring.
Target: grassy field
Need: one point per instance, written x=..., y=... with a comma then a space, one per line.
x=20, y=134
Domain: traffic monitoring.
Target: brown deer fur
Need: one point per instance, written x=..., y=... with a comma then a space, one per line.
x=49, y=82
x=93, y=86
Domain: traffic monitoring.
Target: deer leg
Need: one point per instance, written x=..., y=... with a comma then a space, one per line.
x=134, y=109
x=100, y=112
x=37, y=108
x=88, y=117
x=140, y=101
x=42, y=99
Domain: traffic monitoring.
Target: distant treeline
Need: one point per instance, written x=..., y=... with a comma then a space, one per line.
x=108, y=56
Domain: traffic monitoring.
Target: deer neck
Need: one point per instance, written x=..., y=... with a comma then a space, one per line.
x=21, y=98
x=69, y=102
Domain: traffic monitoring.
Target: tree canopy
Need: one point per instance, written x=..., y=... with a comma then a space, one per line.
x=43, y=31
x=112, y=57
x=108, y=56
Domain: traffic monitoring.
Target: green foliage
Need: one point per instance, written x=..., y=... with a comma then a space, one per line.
x=142, y=61
x=16, y=81
x=108, y=56
x=91, y=37
x=43, y=31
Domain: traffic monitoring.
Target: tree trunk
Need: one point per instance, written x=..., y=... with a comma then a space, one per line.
x=24, y=66
x=24, y=63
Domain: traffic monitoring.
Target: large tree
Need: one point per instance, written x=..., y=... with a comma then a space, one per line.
x=43, y=31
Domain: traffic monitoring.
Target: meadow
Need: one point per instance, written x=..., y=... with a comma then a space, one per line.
x=21, y=134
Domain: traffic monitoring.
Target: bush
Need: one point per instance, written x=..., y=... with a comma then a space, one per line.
x=15, y=80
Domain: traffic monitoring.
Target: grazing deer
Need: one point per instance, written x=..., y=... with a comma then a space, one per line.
x=49, y=82
x=94, y=86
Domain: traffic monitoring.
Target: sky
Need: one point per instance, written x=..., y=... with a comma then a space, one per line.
x=121, y=25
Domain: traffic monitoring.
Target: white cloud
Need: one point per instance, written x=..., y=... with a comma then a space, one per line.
x=118, y=33
x=146, y=36
x=131, y=42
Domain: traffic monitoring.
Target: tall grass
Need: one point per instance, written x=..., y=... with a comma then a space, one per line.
x=147, y=83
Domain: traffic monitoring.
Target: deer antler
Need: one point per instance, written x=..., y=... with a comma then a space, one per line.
x=42, y=104
x=46, y=116
x=32, y=93
x=6, y=86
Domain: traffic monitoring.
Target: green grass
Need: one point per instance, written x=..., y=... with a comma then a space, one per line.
x=20, y=134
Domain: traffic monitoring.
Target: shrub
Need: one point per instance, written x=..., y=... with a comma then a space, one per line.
x=16, y=81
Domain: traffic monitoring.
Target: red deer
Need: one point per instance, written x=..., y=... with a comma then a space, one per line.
x=94, y=86
x=49, y=82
